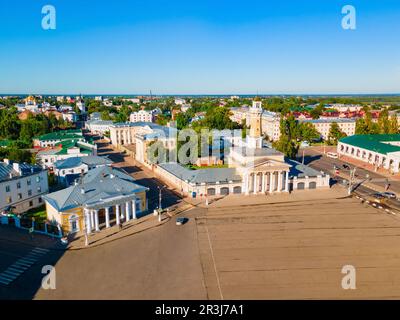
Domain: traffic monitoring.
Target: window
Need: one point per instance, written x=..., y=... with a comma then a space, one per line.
x=8, y=189
x=19, y=196
x=29, y=192
x=18, y=185
x=31, y=203
x=28, y=182
x=37, y=179
x=40, y=200
x=9, y=200
x=39, y=189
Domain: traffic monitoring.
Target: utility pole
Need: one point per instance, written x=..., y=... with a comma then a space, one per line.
x=352, y=175
x=302, y=162
x=159, y=203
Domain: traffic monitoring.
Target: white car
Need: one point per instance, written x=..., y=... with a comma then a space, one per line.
x=332, y=155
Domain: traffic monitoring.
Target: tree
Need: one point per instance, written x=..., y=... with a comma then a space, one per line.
x=289, y=141
x=308, y=132
x=383, y=122
x=335, y=134
x=393, y=125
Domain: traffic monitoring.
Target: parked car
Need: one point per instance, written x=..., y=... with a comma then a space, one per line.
x=378, y=197
x=332, y=155
x=389, y=195
x=181, y=221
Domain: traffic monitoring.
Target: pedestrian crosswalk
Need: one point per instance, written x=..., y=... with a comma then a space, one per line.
x=21, y=265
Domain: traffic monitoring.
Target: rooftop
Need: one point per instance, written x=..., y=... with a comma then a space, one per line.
x=380, y=143
x=95, y=192
x=77, y=161
x=61, y=135
x=212, y=175
x=8, y=170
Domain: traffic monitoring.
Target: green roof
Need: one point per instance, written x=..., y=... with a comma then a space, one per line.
x=61, y=135
x=5, y=143
x=68, y=144
x=374, y=142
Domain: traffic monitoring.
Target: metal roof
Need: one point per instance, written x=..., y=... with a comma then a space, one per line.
x=77, y=161
x=202, y=175
x=97, y=192
x=379, y=143
x=26, y=169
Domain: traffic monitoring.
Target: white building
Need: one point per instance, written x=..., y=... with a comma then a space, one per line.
x=141, y=116
x=323, y=126
x=98, y=126
x=70, y=169
x=271, y=125
x=379, y=150
x=21, y=186
x=180, y=101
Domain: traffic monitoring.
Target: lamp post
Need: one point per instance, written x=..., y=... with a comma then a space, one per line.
x=352, y=176
x=159, y=202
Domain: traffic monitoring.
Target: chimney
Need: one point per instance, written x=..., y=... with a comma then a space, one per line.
x=17, y=167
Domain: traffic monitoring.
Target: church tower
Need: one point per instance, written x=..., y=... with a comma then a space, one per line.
x=254, y=140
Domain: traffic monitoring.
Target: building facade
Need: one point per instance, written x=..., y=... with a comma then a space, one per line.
x=380, y=150
x=22, y=186
x=105, y=197
x=323, y=126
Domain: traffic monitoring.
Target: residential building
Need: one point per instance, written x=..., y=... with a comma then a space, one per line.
x=141, y=116
x=104, y=197
x=98, y=126
x=66, y=149
x=323, y=126
x=22, y=186
x=271, y=125
x=53, y=138
x=70, y=169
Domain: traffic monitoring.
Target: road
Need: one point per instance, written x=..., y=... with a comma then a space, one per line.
x=370, y=182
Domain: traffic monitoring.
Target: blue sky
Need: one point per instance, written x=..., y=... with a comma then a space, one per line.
x=199, y=47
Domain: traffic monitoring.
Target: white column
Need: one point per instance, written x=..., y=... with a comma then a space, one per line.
x=107, y=217
x=88, y=224
x=127, y=211
x=287, y=182
x=279, y=181
x=246, y=183
x=117, y=214
x=134, y=209
x=271, y=182
x=91, y=219
x=255, y=183
x=96, y=219
x=263, y=182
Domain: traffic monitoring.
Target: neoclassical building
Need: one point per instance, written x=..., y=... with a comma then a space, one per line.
x=105, y=197
x=380, y=150
x=252, y=169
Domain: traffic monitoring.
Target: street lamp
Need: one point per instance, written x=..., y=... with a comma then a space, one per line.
x=159, y=203
x=352, y=176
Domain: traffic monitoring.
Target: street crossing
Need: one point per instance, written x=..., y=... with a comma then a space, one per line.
x=21, y=265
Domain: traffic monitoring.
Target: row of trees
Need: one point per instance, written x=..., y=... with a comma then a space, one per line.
x=384, y=125
x=293, y=133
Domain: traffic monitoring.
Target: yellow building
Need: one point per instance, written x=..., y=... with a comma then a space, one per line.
x=105, y=197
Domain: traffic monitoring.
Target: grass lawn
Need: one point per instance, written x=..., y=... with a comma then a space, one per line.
x=38, y=213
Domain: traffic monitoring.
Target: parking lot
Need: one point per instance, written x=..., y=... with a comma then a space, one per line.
x=296, y=249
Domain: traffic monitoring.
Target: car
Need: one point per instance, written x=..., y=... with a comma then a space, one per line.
x=181, y=221
x=389, y=195
x=332, y=155
x=378, y=197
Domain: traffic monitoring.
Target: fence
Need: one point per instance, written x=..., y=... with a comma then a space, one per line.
x=36, y=227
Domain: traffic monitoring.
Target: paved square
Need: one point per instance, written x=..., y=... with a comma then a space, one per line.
x=297, y=249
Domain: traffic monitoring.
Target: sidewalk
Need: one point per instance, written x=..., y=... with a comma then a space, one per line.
x=129, y=228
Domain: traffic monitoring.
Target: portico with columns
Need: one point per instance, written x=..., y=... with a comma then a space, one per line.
x=266, y=178
x=115, y=212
